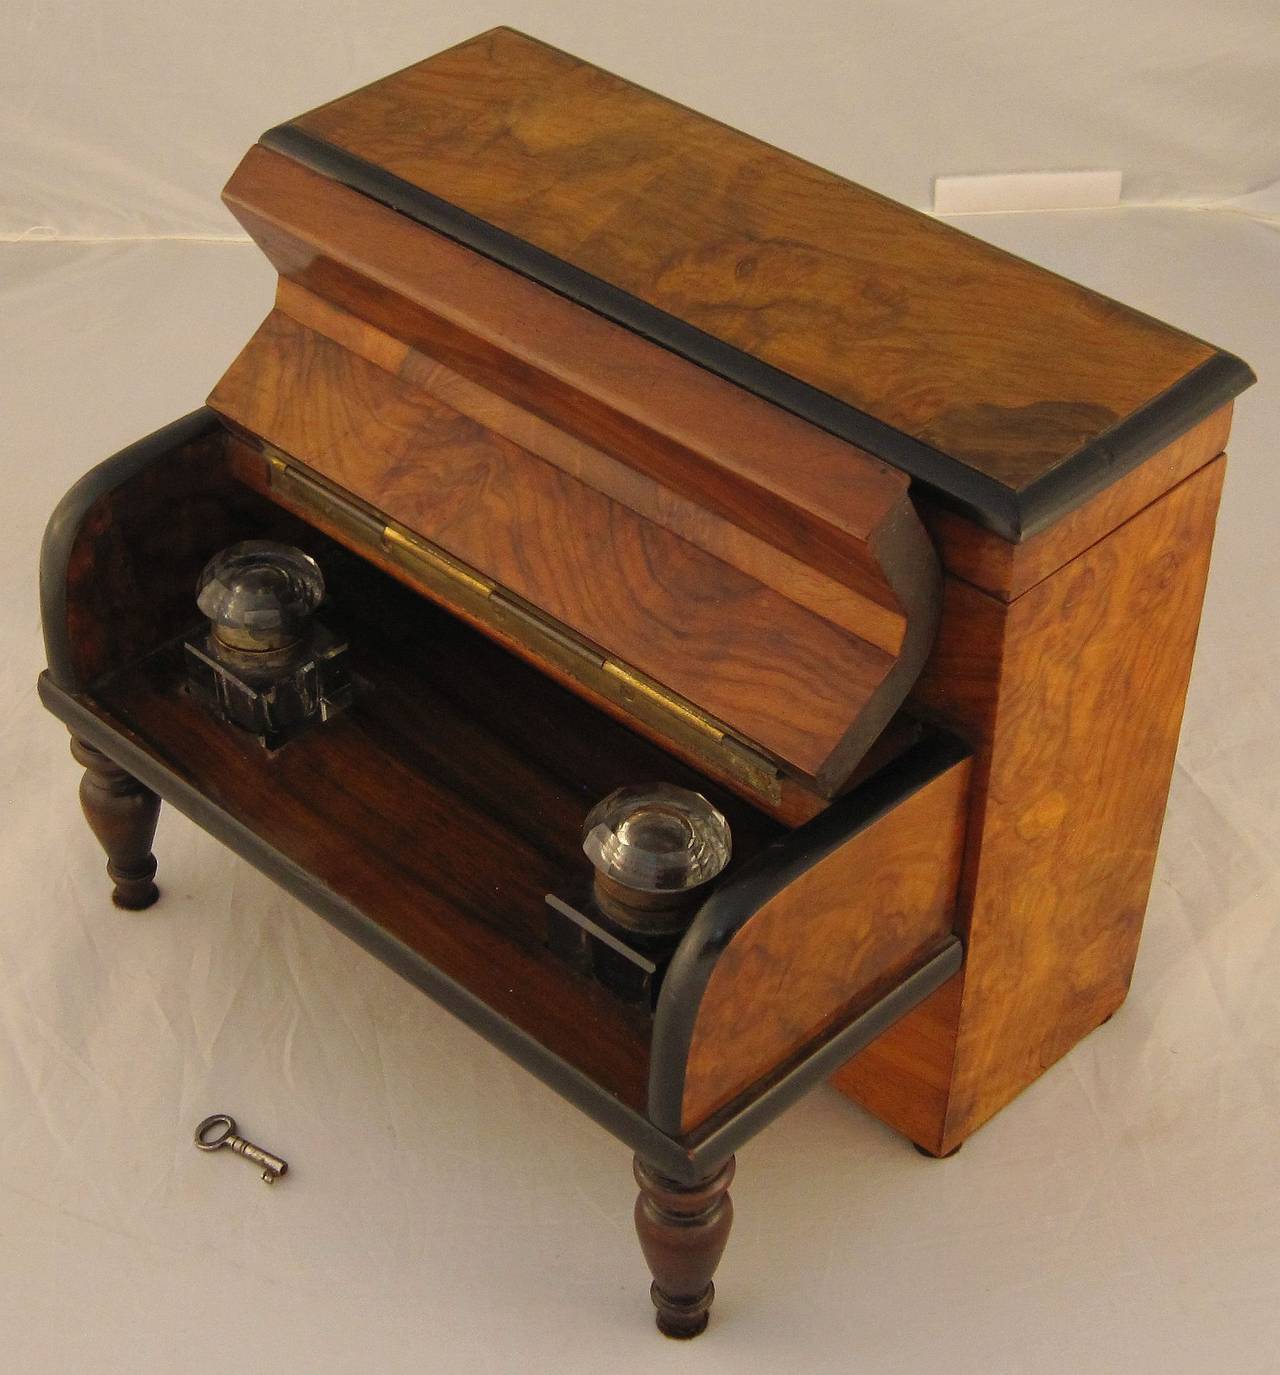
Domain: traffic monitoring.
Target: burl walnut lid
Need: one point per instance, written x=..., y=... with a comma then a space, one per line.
x=1011, y=392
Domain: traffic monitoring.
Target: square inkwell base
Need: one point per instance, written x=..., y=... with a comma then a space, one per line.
x=274, y=709
x=627, y=962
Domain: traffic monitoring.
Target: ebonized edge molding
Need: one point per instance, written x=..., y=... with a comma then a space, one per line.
x=1014, y=515
x=731, y=906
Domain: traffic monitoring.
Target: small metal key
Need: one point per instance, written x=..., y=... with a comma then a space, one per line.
x=272, y=1166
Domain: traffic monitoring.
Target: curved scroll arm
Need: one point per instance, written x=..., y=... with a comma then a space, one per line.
x=805, y=937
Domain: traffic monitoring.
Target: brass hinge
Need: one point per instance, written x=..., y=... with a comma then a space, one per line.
x=462, y=587
x=431, y=565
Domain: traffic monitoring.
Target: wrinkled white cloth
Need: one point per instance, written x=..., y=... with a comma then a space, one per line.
x=444, y=1211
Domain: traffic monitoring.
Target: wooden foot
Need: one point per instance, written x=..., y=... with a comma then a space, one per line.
x=683, y=1230
x=122, y=813
x=929, y=1155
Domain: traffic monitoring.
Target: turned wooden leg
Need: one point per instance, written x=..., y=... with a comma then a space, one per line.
x=683, y=1230
x=122, y=813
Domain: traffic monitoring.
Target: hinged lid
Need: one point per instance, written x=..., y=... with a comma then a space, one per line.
x=713, y=569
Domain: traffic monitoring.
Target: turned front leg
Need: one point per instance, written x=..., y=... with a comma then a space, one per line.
x=122, y=813
x=683, y=1230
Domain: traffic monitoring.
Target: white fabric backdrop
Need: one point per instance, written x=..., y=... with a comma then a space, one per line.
x=445, y=1213
x=126, y=116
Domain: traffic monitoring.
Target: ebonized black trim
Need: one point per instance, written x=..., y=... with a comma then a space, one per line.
x=687, y=1162
x=1015, y=515
x=732, y=905
x=1125, y=445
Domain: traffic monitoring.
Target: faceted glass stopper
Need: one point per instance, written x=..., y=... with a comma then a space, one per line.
x=656, y=839
x=259, y=595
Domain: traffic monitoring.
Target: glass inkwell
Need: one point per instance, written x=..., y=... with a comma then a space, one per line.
x=265, y=663
x=655, y=850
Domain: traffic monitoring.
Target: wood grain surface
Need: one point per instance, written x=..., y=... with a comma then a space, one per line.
x=132, y=570
x=995, y=363
x=776, y=673
x=122, y=814
x=683, y=1230
x=810, y=495
x=865, y=613
x=795, y=802
x=831, y=939
x=1073, y=694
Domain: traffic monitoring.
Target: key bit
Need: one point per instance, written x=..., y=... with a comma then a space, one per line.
x=272, y=1166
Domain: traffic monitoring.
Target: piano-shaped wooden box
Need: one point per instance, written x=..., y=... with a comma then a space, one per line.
x=635, y=452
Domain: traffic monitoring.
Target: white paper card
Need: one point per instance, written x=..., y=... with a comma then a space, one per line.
x=1005, y=191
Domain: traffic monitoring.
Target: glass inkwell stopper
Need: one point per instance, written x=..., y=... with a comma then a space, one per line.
x=265, y=663
x=652, y=848
x=259, y=598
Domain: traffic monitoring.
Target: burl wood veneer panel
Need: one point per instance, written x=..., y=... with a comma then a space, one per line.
x=857, y=610
x=820, y=501
x=1073, y=694
x=784, y=678
x=997, y=364
x=831, y=939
